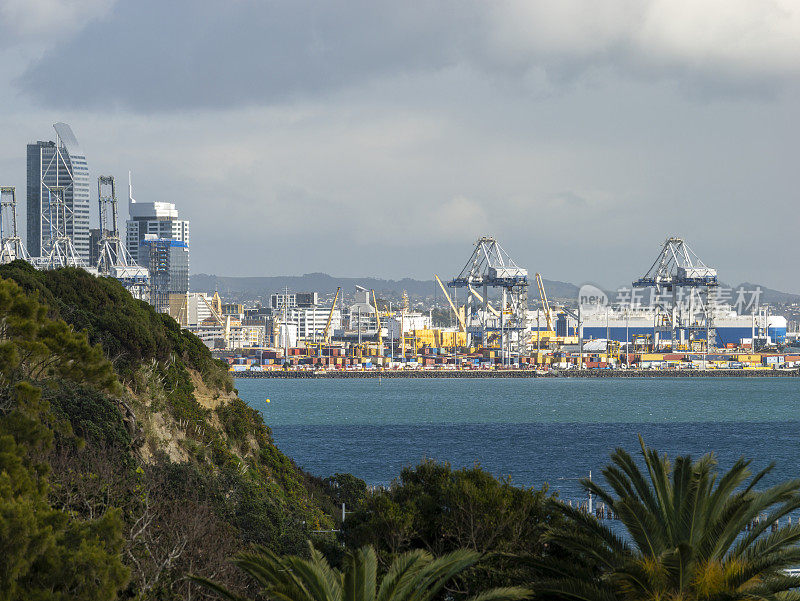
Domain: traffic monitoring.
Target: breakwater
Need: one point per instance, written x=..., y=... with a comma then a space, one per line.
x=524, y=373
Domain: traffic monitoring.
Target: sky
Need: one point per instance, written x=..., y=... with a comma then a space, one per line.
x=377, y=138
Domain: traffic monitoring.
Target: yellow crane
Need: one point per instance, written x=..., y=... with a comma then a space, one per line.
x=326, y=338
x=474, y=292
x=378, y=323
x=545, y=305
x=461, y=323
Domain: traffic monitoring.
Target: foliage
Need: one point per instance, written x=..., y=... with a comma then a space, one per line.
x=439, y=509
x=48, y=553
x=413, y=576
x=691, y=534
x=130, y=332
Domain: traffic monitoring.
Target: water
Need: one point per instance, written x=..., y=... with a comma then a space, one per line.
x=534, y=430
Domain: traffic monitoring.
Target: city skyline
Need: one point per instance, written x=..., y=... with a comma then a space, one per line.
x=580, y=154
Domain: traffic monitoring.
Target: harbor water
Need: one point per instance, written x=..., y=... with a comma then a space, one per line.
x=535, y=431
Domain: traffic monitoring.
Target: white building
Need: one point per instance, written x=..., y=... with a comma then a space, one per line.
x=157, y=218
x=199, y=307
x=309, y=323
x=409, y=322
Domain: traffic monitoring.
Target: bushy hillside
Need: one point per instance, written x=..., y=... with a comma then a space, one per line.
x=143, y=447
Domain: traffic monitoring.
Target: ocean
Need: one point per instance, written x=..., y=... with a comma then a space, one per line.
x=535, y=431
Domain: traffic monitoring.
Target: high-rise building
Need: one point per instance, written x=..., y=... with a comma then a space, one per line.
x=94, y=245
x=159, y=219
x=60, y=164
x=168, y=262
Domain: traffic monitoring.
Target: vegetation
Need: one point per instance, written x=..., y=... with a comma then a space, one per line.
x=441, y=510
x=129, y=331
x=690, y=535
x=47, y=552
x=413, y=576
x=127, y=463
x=125, y=455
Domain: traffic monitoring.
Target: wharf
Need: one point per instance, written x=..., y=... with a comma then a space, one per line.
x=525, y=373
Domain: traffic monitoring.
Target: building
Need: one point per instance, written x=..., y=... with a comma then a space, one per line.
x=168, y=263
x=308, y=323
x=202, y=307
x=159, y=219
x=361, y=315
x=94, y=246
x=60, y=164
x=409, y=322
x=294, y=299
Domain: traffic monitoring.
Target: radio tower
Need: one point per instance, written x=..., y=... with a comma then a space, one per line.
x=58, y=249
x=114, y=259
x=12, y=247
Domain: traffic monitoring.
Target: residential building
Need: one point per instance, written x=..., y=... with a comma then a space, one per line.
x=60, y=164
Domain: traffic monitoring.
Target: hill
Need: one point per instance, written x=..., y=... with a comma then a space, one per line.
x=129, y=444
x=248, y=288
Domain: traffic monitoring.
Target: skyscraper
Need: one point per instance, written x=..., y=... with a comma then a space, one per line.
x=159, y=219
x=60, y=164
x=168, y=262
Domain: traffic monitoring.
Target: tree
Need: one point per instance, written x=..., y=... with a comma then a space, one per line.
x=413, y=576
x=690, y=535
x=433, y=507
x=46, y=553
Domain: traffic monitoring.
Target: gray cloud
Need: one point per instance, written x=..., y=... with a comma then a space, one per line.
x=373, y=138
x=154, y=55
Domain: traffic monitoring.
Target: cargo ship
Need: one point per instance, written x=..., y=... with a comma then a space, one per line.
x=620, y=325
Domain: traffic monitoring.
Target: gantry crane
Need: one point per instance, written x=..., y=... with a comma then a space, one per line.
x=685, y=290
x=491, y=266
x=12, y=247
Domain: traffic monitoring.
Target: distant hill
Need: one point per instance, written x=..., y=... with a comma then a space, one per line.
x=242, y=288
x=770, y=296
x=248, y=288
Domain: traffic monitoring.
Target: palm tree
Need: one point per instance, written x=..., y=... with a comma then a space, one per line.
x=688, y=536
x=413, y=576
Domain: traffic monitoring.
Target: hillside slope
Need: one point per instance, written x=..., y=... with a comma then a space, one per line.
x=192, y=470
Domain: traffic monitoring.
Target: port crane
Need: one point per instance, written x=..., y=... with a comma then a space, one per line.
x=12, y=247
x=490, y=266
x=462, y=326
x=113, y=258
x=378, y=324
x=685, y=290
x=326, y=334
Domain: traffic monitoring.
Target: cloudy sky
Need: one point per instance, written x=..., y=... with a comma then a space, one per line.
x=365, y=137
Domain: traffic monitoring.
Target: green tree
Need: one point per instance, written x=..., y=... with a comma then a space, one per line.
x=433, y=507
x=413, y=576
x=690, y=535
x=46, y=553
